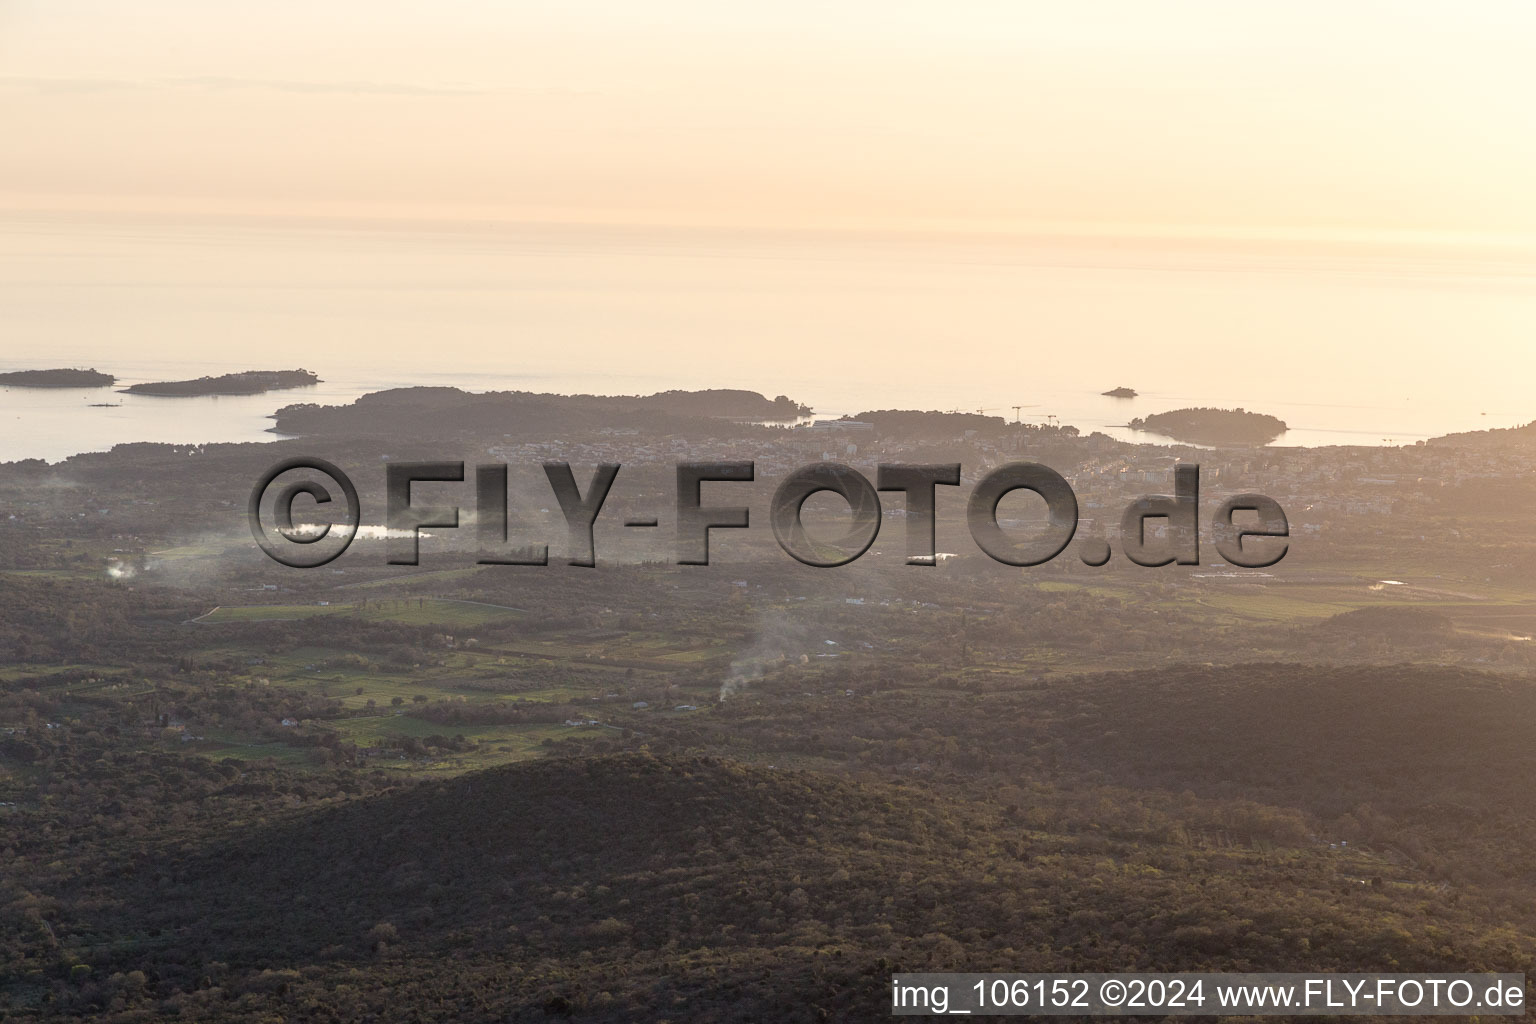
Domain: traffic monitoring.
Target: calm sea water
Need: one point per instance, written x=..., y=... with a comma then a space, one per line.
x=1350, y=344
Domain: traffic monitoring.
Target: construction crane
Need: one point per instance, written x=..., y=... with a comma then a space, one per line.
x=1017, y=410
x=983, y=410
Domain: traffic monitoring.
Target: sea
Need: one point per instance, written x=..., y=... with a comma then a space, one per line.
x=1378, y=342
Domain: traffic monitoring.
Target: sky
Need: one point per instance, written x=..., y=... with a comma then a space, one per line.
x=1195, y=116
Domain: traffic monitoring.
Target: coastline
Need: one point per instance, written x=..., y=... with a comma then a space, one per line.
x=53, y=424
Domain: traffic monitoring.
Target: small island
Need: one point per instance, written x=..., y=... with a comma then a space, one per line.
x=1213, y=426
x=57, y=379
x=1120, y=393
x=249, y=382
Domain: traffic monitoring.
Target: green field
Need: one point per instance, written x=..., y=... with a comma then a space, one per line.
x=265, y=613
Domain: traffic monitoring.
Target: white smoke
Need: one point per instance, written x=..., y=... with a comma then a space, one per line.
x=779, y=640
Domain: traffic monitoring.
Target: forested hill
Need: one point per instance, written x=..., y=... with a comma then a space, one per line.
x=631, y=886
x=1519, y=437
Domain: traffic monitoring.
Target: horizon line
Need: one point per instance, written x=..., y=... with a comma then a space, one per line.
x=87, y=207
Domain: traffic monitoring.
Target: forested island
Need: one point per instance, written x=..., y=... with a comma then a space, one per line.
x=61, y=378
x=1213, y=426
x=1120, y=393
x=248, y=382
x=435, y=409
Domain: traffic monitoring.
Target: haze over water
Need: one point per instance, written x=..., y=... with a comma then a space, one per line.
x=843, y=322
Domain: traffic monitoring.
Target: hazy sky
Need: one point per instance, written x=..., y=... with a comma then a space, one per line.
x=1303, y=115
